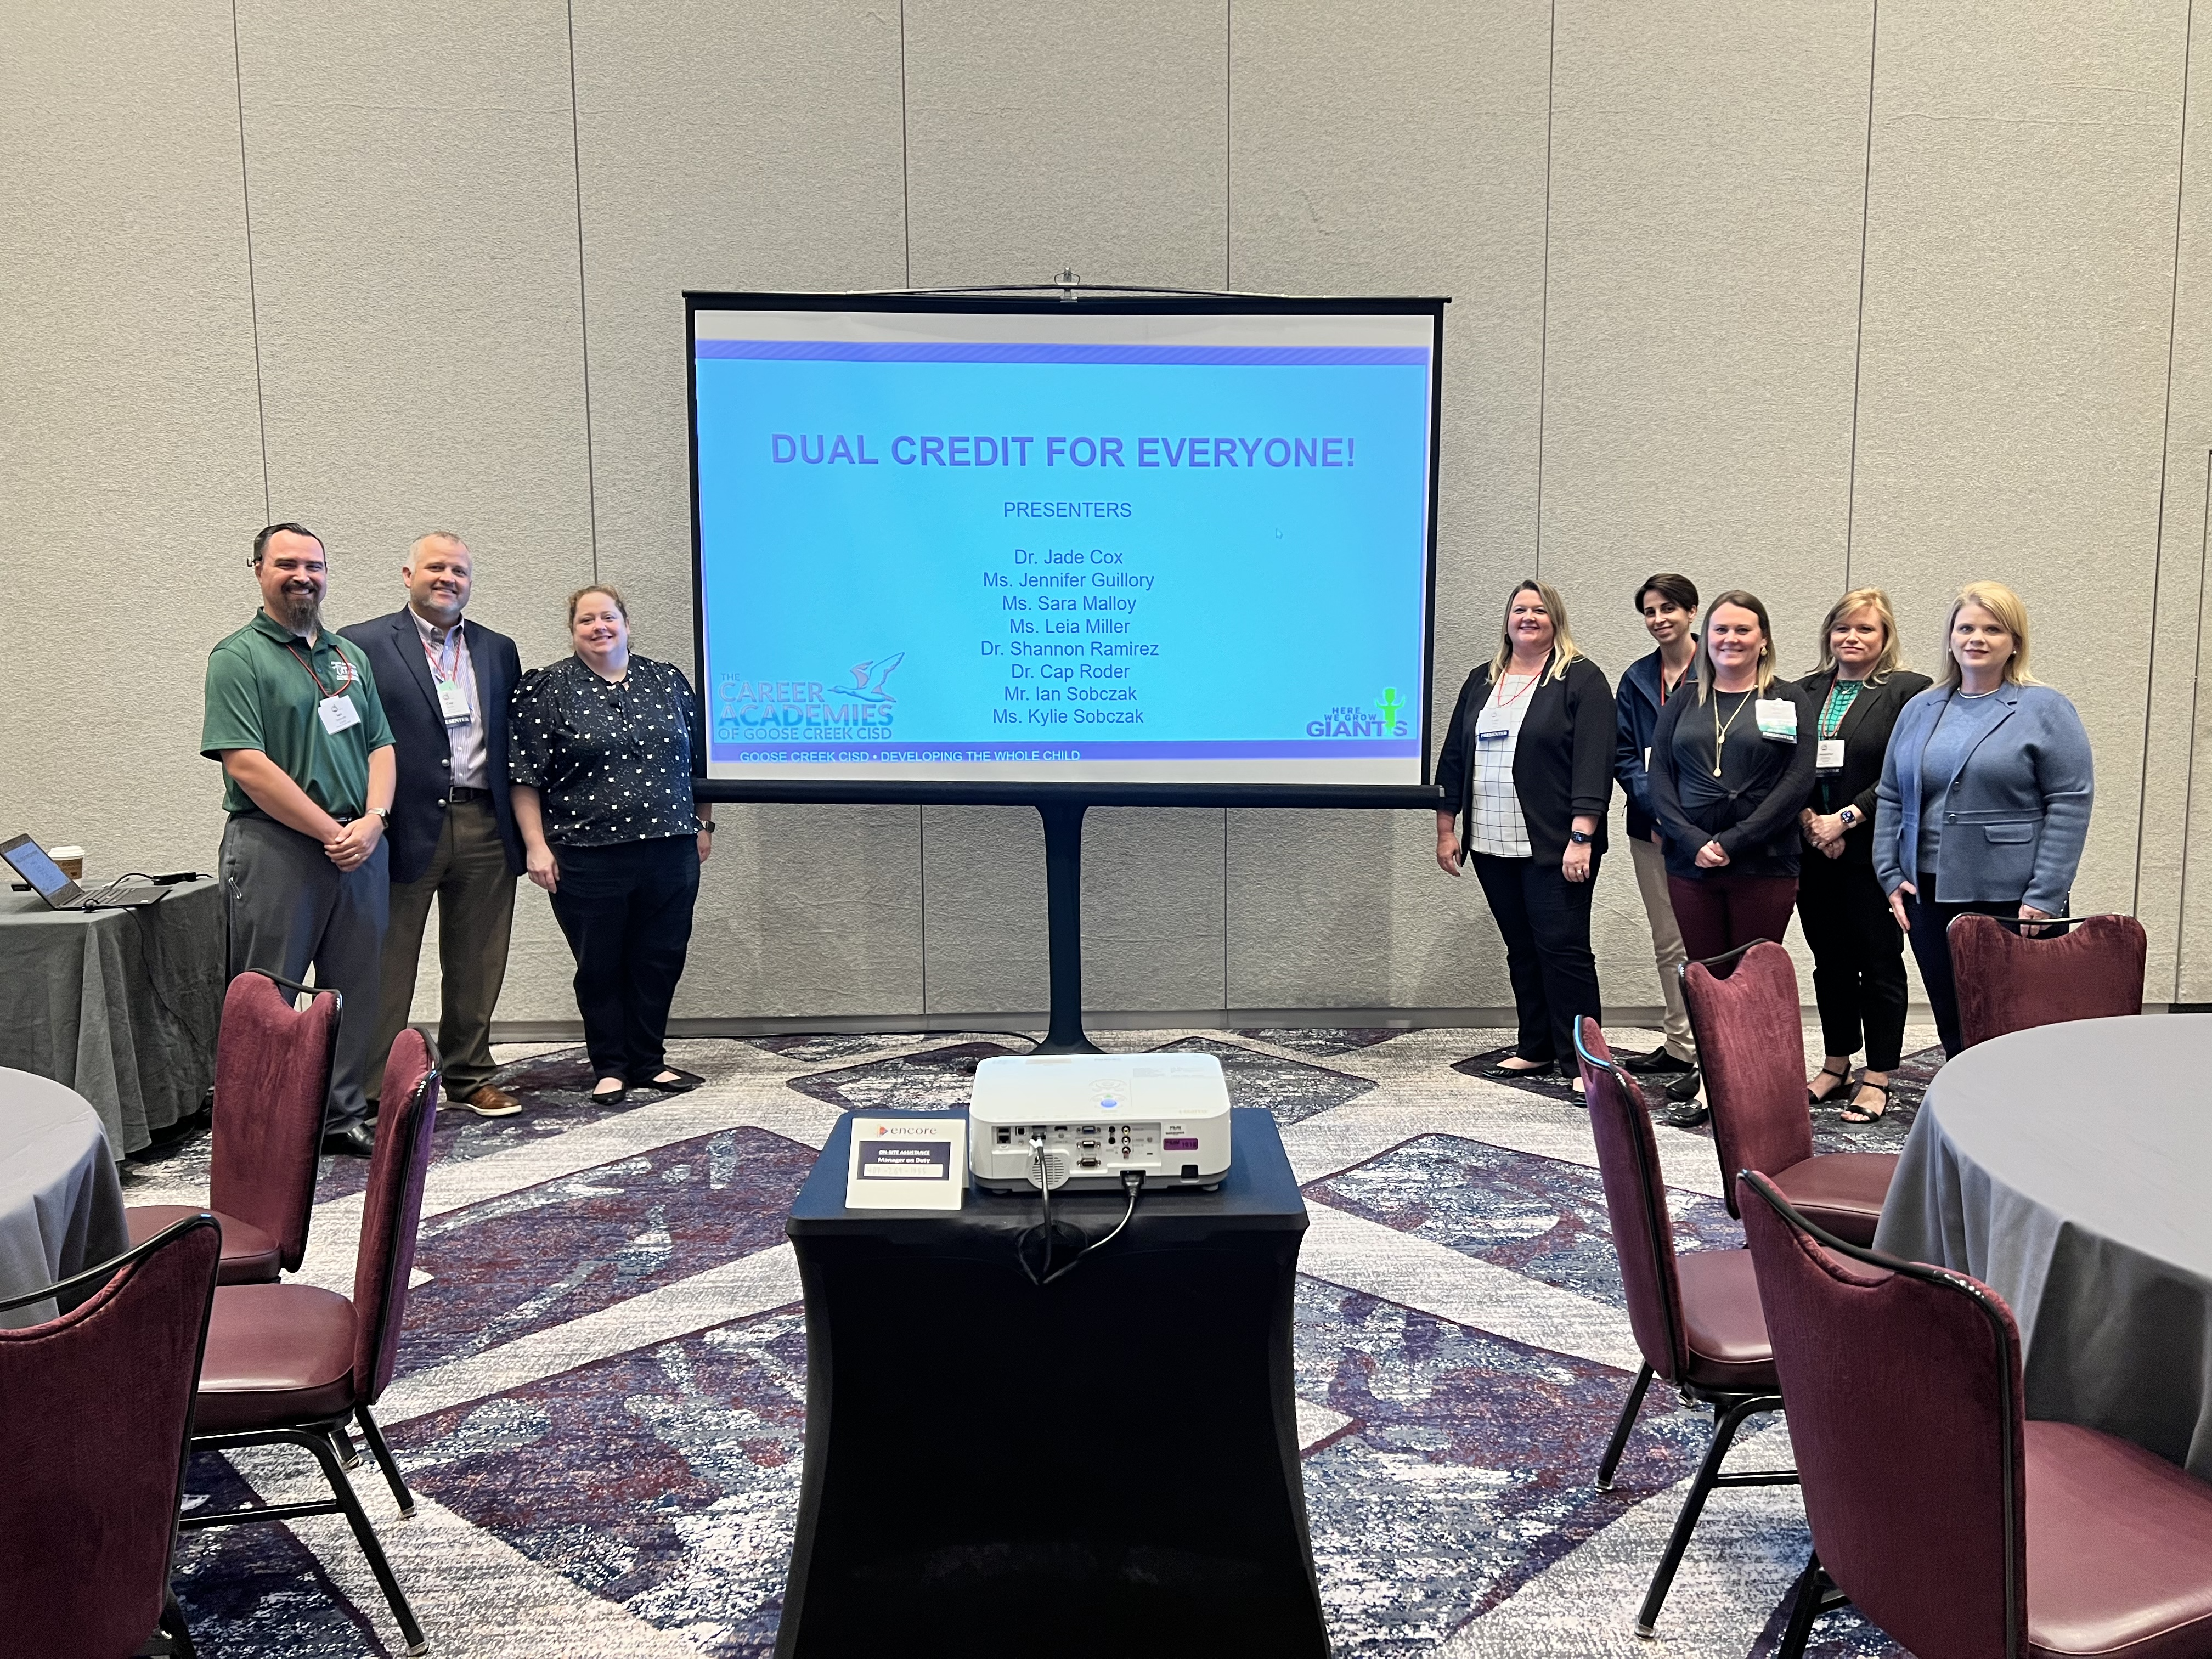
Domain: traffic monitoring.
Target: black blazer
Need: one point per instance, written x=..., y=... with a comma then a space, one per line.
x=418, y=732
x=1562, y=765
x=1865, y=732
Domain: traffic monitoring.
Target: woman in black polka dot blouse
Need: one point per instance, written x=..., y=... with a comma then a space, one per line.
x=599, y=747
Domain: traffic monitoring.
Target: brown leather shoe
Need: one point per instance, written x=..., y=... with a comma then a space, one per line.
x=488, y=1102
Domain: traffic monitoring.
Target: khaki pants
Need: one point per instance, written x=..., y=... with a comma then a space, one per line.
x=1665, y=943
x=468, y=877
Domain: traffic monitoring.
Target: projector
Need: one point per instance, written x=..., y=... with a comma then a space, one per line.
x=1099, y=1116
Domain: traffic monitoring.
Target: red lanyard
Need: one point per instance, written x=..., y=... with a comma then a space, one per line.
x=1499, y=700
x=352, y=674
x=438, y=657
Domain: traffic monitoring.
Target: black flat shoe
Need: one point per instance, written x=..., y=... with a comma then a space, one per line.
x=1855, y=1112
x=680, y=1082
x=608, y=1096
x=352, y=1141
x=1689, y=1116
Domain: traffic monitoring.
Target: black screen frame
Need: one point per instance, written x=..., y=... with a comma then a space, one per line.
x=954, y=792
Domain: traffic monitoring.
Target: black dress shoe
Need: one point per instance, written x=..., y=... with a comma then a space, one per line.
x=1685, y=1086
x=352, y=1141
x=1657, y=1063
x=1691, y=1115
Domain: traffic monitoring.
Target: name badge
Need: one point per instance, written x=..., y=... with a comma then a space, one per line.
x=1778, y=718
x=454, y=702
x=1492, y=726
x=338, y=714
x=1647, y=757
x=1831, y=756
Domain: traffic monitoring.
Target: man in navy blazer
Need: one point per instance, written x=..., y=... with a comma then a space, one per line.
x=446, y=684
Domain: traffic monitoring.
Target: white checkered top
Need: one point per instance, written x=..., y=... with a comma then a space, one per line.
x=1494, y=818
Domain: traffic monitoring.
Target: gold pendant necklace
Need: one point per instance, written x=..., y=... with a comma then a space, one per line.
x=1720, y=732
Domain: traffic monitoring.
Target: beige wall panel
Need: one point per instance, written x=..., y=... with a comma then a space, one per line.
x=1152, y=890
x=986, y=944
x=2019, y=284
x=1707, y=166
x=1398, y=148
x=412, y=182
x=2177, y=816
x=129, y=453
x=750, y=148
x=1090, y=134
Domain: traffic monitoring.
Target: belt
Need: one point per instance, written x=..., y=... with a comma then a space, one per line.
x=460, y=793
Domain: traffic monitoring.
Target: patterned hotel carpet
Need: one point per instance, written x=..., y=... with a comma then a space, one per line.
x=601, y=1385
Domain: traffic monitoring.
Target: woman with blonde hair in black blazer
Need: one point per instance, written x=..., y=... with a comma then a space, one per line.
x=1528, y=763
x=1858, y=953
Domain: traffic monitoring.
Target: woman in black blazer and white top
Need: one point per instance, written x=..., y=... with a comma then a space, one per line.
x=1858, y=954
x=1528, y=761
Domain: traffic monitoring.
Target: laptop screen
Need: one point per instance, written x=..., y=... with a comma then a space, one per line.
x=31, y=862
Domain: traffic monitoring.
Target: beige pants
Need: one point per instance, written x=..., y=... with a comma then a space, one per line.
x=1666, y=945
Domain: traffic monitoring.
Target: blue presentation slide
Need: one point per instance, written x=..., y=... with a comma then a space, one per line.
x=1031, y=560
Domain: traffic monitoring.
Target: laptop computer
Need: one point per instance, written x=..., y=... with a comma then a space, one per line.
x=28, y=859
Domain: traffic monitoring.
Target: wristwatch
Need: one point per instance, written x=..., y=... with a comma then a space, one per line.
x=1578, y=837
x=1850, y=815
x=706, y=825
x=384, y=812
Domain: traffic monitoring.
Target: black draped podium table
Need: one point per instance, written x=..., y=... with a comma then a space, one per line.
x=122, y=1005
x=1106, y=1465
x=61, y=1205
x=2067, y=1167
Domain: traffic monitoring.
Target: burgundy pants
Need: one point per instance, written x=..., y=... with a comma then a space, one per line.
x=1718, y=910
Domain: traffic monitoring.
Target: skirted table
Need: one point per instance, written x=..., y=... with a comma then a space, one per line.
x=122, y=1005
x=2066, y=1168
x=1107, y=1465
x=61, y=1205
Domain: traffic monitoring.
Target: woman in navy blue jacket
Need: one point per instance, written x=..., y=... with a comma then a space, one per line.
x=1985, y=792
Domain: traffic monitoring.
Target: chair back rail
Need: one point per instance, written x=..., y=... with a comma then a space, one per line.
x=1903, y=1383
x=391, y=1211
x=2008, y=981
x=272, y=1082
x=1635, y=1204
x=1751, y=1045
x=95, y=1423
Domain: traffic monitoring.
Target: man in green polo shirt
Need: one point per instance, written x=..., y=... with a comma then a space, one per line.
x=292, y=712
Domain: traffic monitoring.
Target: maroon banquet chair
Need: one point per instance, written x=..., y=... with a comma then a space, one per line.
x=1750, y=1043
x=290, y=1364
x=272, y=1078
x=1960, y=1528
x=2007, y=982
x=1695, y=1316
x=95, y=1419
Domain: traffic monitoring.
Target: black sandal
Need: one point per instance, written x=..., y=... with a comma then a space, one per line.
x=1852, y=1114
x=1812, y=1099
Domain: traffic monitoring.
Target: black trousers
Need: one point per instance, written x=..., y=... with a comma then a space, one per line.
x=626, y=911
x=1858, y=959
x=1545, y=922
x=1931, y=948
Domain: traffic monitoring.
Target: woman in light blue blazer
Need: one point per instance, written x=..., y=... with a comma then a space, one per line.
x=1985, y=792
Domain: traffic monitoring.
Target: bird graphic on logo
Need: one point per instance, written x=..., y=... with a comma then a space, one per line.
x=868, y=678
x=1390, y=706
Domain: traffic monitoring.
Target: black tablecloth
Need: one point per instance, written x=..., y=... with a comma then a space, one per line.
x=2065, y=1167
x=1107, y=1465
x=121, y=1006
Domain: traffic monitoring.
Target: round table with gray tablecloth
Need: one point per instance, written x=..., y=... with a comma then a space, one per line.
x=61, y=1205
x=121, y=1004
x=2067, y=1167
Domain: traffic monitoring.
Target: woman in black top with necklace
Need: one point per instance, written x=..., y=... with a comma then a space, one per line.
x=600, y=746
x=1730, y=767
x=1858, y=954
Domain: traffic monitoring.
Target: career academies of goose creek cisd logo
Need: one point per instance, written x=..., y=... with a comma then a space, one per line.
x=858, y=707
x=1355, y=720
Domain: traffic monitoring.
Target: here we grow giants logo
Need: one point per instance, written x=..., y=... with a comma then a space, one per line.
x=859, y=707
x=1375, y=720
